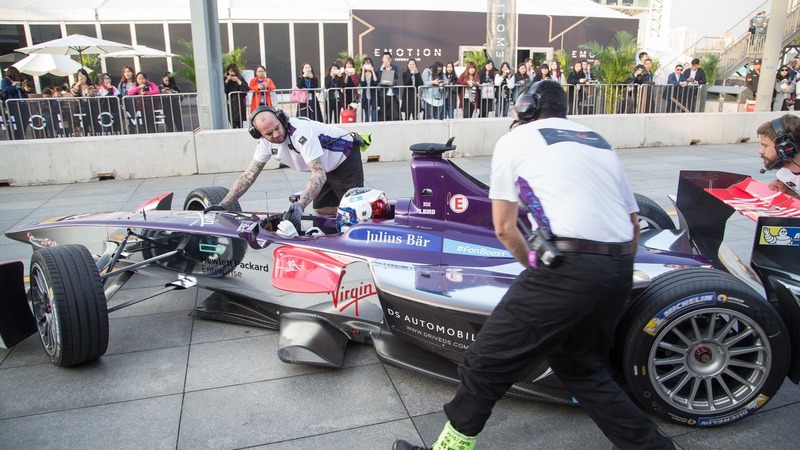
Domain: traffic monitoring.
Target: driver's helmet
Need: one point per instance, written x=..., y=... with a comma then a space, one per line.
x=361, y=204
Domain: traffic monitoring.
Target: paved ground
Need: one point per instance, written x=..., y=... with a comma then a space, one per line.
x=171, y=381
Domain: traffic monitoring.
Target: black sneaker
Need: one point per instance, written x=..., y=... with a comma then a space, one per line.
x=403, y=445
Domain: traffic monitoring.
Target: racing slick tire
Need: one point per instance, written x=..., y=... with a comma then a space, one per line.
x=69, y=305
x=652, y=216
x=201, y=198
x=703, y=349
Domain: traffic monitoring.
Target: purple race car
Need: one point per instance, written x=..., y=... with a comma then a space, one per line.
x=705, y=340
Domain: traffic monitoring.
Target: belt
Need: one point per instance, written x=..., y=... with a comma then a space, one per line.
x=570, y=245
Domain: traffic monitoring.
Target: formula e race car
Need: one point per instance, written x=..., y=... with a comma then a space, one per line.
x=705, y=339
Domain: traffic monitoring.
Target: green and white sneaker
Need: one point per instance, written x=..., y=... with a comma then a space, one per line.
x=450, y=439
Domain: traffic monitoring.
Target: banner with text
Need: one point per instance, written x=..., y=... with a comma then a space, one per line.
x=501, y=19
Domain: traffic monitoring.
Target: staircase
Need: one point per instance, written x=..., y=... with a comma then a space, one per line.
x=742, y=50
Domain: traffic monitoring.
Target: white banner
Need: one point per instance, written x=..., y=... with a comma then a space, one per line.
x=501, y=31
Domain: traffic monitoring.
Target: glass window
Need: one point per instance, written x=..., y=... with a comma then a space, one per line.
x=335, y=41
x=223, y=37
x=44, y=33
x=152, y=35
x=86, y=29
x=306, y=41
x=278, y=58
x=121, y=33
x=246, y=35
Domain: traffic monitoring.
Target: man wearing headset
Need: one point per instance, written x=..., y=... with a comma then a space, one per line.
x=328, y=152
x=779, y=151
x=564, y=312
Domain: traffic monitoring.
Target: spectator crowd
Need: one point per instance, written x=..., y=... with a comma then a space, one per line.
x=367, y=90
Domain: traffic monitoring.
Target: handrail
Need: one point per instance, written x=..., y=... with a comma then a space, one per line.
x=744, y=47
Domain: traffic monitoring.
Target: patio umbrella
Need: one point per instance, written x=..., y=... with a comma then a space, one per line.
x=40, y=64
x=75, y=44
x=141, y=51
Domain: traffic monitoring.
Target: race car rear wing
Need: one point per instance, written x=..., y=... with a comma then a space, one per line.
x=776, y=245
x=705, y=202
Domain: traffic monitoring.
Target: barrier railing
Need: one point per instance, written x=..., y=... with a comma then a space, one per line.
x=379, y=104
x=633, y=98
x=41, y=118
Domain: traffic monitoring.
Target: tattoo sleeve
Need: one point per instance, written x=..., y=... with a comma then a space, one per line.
x=318, y=178
x=243, y=183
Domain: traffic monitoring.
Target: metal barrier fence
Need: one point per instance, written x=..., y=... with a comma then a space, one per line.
x=42, y=118
x=379, y=104
x=633, y=98
x=456, y=101
x=101, y=116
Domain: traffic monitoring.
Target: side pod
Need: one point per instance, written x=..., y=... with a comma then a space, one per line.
x=16, y=321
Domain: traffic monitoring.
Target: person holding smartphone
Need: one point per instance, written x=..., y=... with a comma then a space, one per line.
x=309, y=81
x=236, y=93
x=144, y=122
x=334, y=85
x=261, y=86
x=369, y=92
x=412, y=79
x=109, y=104
x=351, y=81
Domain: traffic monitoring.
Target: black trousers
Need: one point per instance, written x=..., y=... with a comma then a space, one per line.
x=349, y=174
x=565, y=316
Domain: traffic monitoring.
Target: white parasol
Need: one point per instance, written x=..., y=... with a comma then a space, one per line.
x=40, y=64
x=141, y=51
x=75, y=44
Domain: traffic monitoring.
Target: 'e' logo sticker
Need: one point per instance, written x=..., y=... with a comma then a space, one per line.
x=459, y=203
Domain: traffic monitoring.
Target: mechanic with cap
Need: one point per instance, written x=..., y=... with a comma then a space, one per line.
x=779, y=151
x=564, y=306
x=329, y=153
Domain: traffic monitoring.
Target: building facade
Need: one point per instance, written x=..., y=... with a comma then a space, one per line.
x=284, y=36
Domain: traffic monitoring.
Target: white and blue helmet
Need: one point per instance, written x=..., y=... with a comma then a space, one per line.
x=360, y=204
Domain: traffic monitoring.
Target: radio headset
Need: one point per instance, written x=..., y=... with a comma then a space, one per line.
x=527, y=104
x=785, y=145
x=278, y=113
x=283, y=119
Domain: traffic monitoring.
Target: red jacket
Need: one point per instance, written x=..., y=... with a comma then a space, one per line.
x=256, y=101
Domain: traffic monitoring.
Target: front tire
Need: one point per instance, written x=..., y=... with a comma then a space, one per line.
x=201, y=198
x=69, y=305
x=652, y=216
x=703, y=349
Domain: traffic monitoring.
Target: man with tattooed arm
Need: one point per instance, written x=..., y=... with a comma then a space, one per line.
x=326, y=151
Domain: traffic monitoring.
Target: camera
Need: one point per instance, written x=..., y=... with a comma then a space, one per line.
x=145, y=88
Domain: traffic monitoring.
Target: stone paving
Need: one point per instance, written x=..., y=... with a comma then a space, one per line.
x=175, y=382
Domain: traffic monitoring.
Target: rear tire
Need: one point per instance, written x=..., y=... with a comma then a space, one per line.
x=652, y=216
x=69, y=305
x=201, y=198
x=703, y=349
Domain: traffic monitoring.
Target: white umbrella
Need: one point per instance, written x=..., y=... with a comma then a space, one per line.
x=75, y=44
x=141, y=51
x=40, y=64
